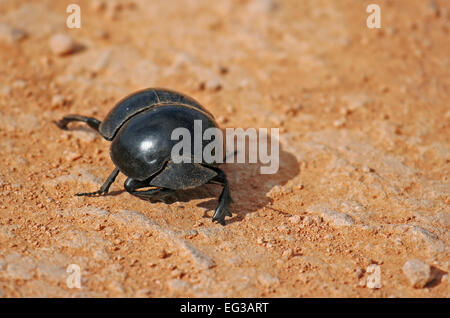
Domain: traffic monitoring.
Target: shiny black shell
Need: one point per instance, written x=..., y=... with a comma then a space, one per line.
x=141, y=101
x=140, y=127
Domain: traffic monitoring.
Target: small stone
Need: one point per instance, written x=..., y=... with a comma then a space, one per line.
x=176, y=273
x=133, y=220
x=143, y=293
x=366, y=169
x=100, y=255
x=58, y=100
x=99, y=226
x=287, y=254
x=22, y=268
x=19, y=84
x=420, y=232
x=98, y=5
x=72, y=156
x=328, y=237
x=445, y=278
x=337, y=218
x=267, y=279
x=222, y=120
x=307, y=220
x=295, y=219
x=178, y=285
x=5, y=90
x=163, y=254
x=116, y=287
x=345, y=111
x=102, y=34
x=235, y=261
x=214, y=84
x=62, y=44
x=11, y=35
x=362, y=282
x=92, y=210
x=51, y=271
x=417, y=272
x=339, y=122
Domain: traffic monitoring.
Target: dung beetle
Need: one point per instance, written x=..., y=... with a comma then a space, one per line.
x=139, y=128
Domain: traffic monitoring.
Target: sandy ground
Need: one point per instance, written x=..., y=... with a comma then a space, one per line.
x=364, y=119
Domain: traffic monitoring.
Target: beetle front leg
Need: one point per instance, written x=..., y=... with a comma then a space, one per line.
x=104, y=188
x=223, y=208
x=131, y=185
x=92, y=122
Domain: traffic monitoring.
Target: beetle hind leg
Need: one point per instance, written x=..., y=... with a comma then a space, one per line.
x=223, y=207
x=92, y=122
x=104, y=188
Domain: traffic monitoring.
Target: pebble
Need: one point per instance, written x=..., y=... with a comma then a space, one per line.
x=19, y=84
x=287, y=254
x=132, y=219
x=62, y=44
x=58, y=100
x=222, y=120
x=143, y=293
x=418, y=231
x=263, y=6
x=72, y=156
x=5, y=90
x=214, y=84
x=366, y=169
x=267, y=279
x=337, y=218
x=178, y=285
x=295, y=219
x=163, y=254
x=417, y=272
x=21, y=269
x=94, y=211
x=98, y=5
x=116, y=287
x=11, y=35
x=307, y=220
x=51, y=271
x=235, y=261
x=339, y=122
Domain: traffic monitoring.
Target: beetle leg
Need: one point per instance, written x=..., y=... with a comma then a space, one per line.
x=105, y=187
x=223, y=208
x=131, y=185
x=92, y=122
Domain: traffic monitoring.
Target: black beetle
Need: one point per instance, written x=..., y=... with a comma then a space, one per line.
x=139, y=128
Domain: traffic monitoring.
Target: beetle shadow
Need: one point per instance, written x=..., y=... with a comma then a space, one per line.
x=248, y=186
